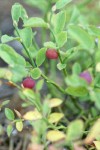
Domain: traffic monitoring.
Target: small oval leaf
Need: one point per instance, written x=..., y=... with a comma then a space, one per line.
x=32, y=115
x=55, y=102
x=19, y=126
x=9, y=114
x=35, y=73
x=40, y=58
x=9, y=130
x=35, y=22
x=55, y=135
x=55, y=117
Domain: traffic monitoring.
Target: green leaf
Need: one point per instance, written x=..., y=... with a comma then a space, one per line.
x=26, y=36
x=59, y=21
x=75, y=81
x=23, y=15
x=40, y=4
x=97, y=56
x=74, y=130
x=19, y=126
x=61, y=3
x=9, y=130
x=5, y=38
x=76, y=68
x=39, y=85
x=61, y=66
x=5, y=102
x=9, y=114
x=18, y=73
x=40, y=58
x=95, y=97
x=75, y=15
x=61, y=38
x=94, y=31
x=82, y=37
x=29, y=93
x=9, y=55
x=77, y=91
x=50, y=45
x=17, y=12
x=35, y=22
x=35, y=73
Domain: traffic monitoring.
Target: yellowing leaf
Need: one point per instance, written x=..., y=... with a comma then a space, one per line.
x=32, y=115
x=93, y=133
x=55, y=135
x=54, y=102
x=98, y=67
x=55, y=117
x=97, y=144
x=19, y=126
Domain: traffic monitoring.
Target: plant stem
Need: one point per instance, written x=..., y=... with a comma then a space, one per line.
x=27, y=51
x=76, y=104
x=52, y=82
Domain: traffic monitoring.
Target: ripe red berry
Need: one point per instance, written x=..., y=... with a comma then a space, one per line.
x=86, y=76
x=28, y=83
x=51, y=54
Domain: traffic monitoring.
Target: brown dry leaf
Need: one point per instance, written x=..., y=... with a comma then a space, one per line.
x=55, y=102
x=78, y=147
x=55, y=135
x=94, y=133
x=32, y=115
x=52, y=147
x=32, y=146
x=18, y=113
x=97, y=144
x=55, y=117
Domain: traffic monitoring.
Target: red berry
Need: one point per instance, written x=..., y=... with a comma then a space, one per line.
x=28, y=83
x=51, y=54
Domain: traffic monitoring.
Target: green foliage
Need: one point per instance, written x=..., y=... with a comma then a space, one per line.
x=73, y=135
x=9, y=55
x=26, y=36
x=40, y=58
x=61, y=38
x=77, y=91
x=18, y=12
x=69, y=28
x=6, y=38
x=82, y=37
x=35, y=22
x=61, y=3
x=59, y=21
x=9, y=130
x=35, y=73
